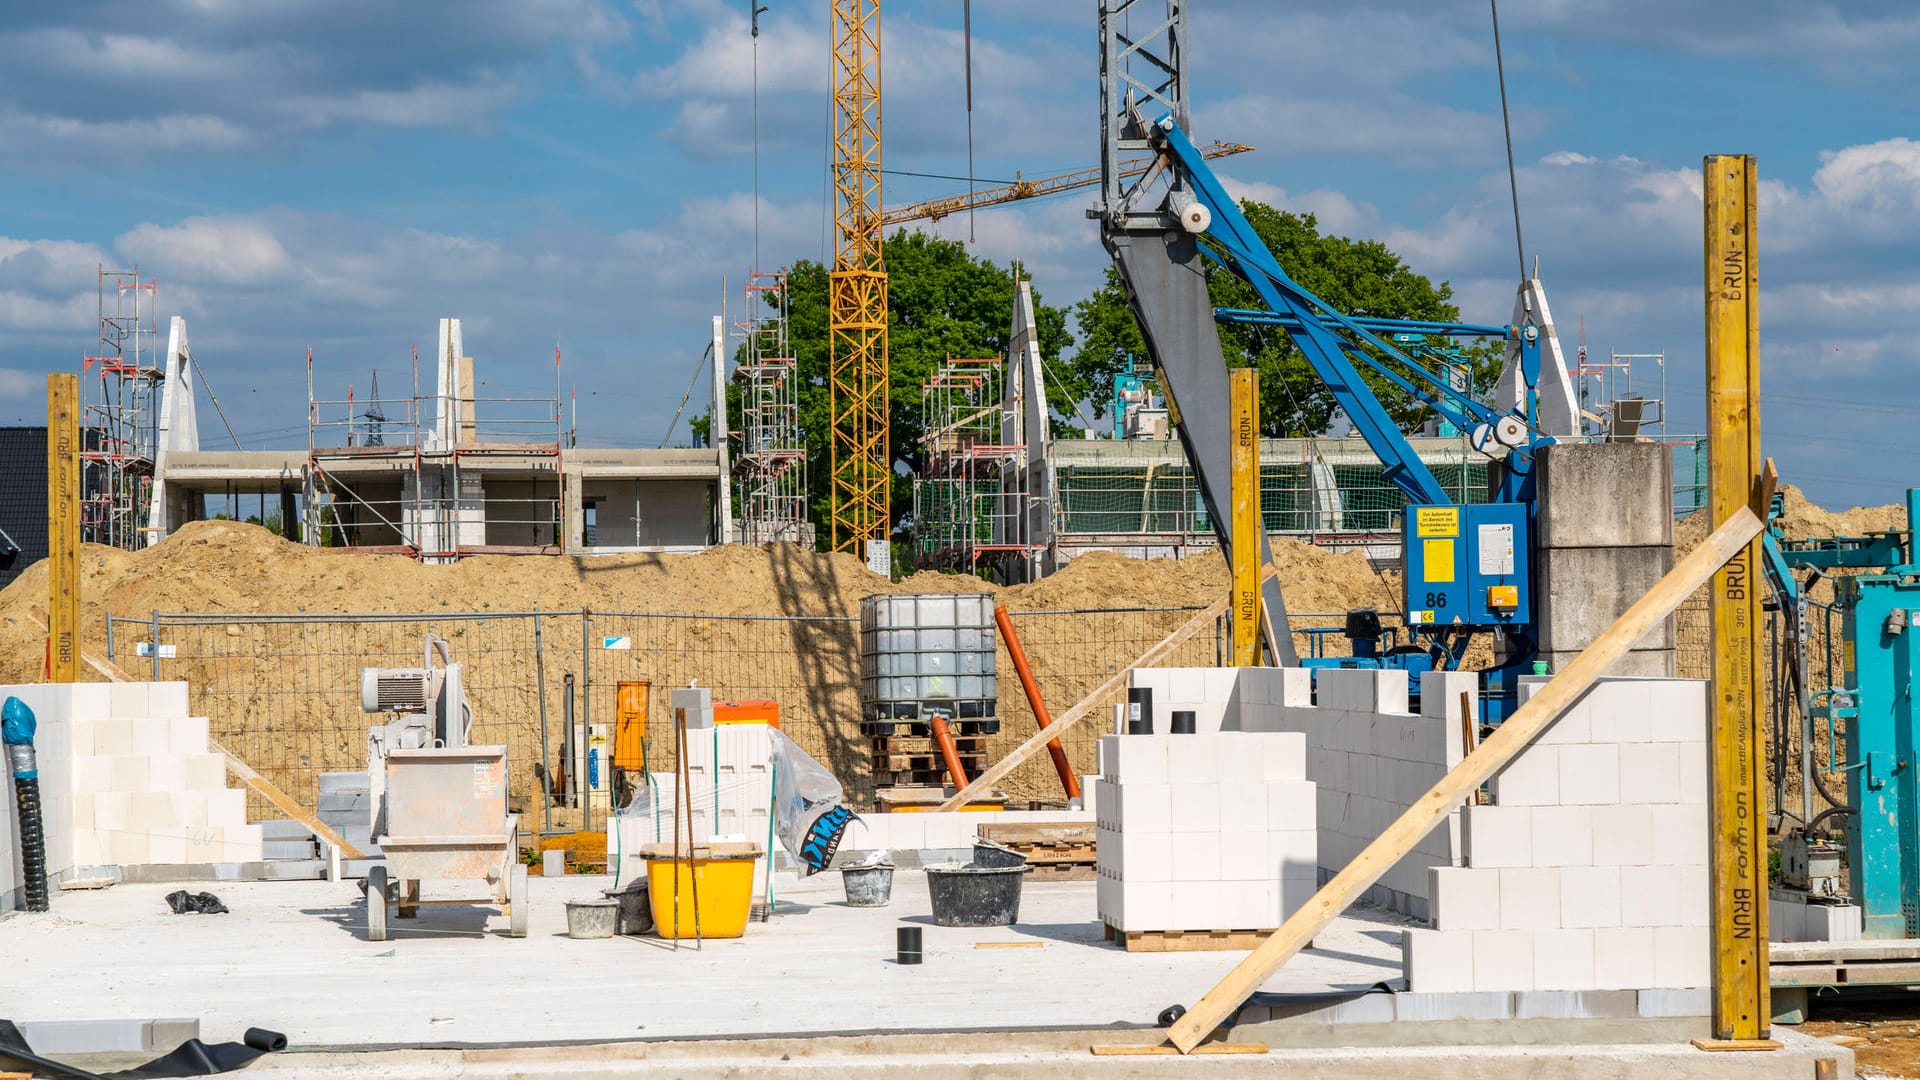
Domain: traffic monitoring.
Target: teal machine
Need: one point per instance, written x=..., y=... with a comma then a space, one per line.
x=1870, y=715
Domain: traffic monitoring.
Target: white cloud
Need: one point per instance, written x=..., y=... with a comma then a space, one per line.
x=226, y=251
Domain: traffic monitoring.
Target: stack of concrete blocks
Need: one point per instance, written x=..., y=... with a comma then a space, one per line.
x=147, y=789
x=1370, y=757
x=1589, y=869
x=127, y=779
x=952, y=834
x=1793, y=918
x=1204, y=831
x=1604, y=538
x=346, y=807
x=730, y=797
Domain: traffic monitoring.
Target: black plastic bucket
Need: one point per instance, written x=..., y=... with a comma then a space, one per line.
x=636, y=914
x=984, y=892
x=868, y=886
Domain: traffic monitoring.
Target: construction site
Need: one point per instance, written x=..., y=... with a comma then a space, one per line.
x=1490, y=728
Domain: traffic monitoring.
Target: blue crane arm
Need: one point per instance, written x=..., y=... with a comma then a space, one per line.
x=1328, y=338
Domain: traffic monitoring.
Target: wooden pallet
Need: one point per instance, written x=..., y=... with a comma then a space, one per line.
x=1146, y=941
x=1048, y=832
x=1061, y=871
x=974, y=763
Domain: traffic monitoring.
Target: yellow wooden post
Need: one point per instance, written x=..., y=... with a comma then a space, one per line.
x=63, y=526
x=1244, y=401
x=1741, y=1014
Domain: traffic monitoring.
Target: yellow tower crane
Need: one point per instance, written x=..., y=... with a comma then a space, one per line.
x=857, y=306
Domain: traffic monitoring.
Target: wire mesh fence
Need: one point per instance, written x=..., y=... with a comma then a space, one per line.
x=282, y=691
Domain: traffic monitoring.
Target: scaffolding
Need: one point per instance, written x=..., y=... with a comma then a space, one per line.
x=120, y=413
x=962, y=499
x=771, y=470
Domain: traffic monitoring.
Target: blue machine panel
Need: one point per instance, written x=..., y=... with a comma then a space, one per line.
x=1467, y=565
x=1881, y=659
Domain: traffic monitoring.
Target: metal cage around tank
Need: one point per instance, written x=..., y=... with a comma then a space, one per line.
x=927, y=654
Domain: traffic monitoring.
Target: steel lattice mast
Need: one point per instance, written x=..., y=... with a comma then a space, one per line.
x=857, y=308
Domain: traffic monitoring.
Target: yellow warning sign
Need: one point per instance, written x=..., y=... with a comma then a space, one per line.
x=1438, y=558
x=1436, y=521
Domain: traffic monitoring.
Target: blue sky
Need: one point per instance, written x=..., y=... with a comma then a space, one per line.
x=580, y=172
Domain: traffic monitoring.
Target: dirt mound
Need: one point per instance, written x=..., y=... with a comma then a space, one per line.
x=1801, y=519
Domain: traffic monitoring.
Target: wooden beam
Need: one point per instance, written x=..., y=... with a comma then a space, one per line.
x=1741, y=1013
x=63, y=527
x=1244, y=558
x=1546, y=704
x=984, y=782
x=112, y=672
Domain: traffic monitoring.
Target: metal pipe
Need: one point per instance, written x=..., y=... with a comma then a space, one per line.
x=1069, y=782
x=948, y=752
x=583, y=741
x=567, y=787
x=540, y=692
x=154, y=642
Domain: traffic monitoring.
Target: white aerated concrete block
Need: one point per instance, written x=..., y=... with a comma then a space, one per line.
x=1192, y=759
x=187, y=735
x=1623, y=957
x=1502, y=960
x=129, y=699
x=1437, y=963
x=1532, y=779
x=1693, y=772
x=1680, y=834
x=92, y=774
x=1143, y=857
x=1563, y=960
x=1563, y=836
x=1243, y=806
x=152, y=735
x=1623, y=835
x=1291, y=804
x=1832, y=922
x=80, y=736
x=1692, y=908
x=1682, y=957
x=1649, y=896
x=130, y=773
x=1589, y=774
x=1529, y=900
x=1283, y=755
x=1135, y=759
x=1196, y=857
x=1650, y=771
x=1244, y=856
x=1293, y=853
x=1498, y=836
x=1619, y=711
x=1464, y=898
x=1677, y=709
x=1589, y=898
x=1194, y=807
x=206, y=772
x=167, y=699
x=167, y=772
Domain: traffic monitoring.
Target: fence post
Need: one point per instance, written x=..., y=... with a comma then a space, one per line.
x=154, y=644
x=110, y=658
x=545, y=780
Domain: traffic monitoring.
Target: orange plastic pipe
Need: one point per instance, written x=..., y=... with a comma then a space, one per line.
x=1068, y=781
x=943, y=739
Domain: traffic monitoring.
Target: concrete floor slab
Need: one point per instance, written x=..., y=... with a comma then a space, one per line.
x=293, y=957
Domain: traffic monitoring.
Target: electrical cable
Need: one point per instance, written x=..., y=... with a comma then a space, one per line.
x=1513, y=182
x=966, y=25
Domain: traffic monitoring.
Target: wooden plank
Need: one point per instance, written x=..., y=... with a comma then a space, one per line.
x=1493, y=753
x=1174, y=941
x=63, y=527
x=1158, y=1049
x=1735, y=809
x=268, y=791
x=1243, y=412
x=1061, y=832
x=1085, y=706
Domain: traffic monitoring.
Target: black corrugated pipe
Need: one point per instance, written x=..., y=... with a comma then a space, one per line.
x=16, y=731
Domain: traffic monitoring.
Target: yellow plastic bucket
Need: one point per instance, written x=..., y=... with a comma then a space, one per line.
x=725, y=875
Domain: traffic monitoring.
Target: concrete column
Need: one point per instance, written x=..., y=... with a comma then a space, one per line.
x=1604, y=537
x=573, y=512
x=718, y=432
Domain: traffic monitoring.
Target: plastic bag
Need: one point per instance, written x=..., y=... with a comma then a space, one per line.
x=185, y=903
x=809, y=813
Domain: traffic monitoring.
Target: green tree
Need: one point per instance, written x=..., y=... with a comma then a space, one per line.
x=1359, y=277
x=941, y=302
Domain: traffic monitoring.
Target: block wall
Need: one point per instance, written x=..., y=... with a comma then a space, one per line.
x=1588, y=870
x=128, y=778
x=1369, y=757
x=1204, y=831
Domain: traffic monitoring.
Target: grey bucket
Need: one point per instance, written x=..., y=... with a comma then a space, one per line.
x=984, y=892
x=636, y=913
x=591, y=918
x=868, y=886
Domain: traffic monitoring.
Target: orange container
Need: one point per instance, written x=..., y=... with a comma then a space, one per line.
x=756, y=711
x=630, y=725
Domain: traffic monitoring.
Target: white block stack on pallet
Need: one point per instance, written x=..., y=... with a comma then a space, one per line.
x=1589, y=869
x=730, y=780
x=127, y=779
x=1203, y=831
